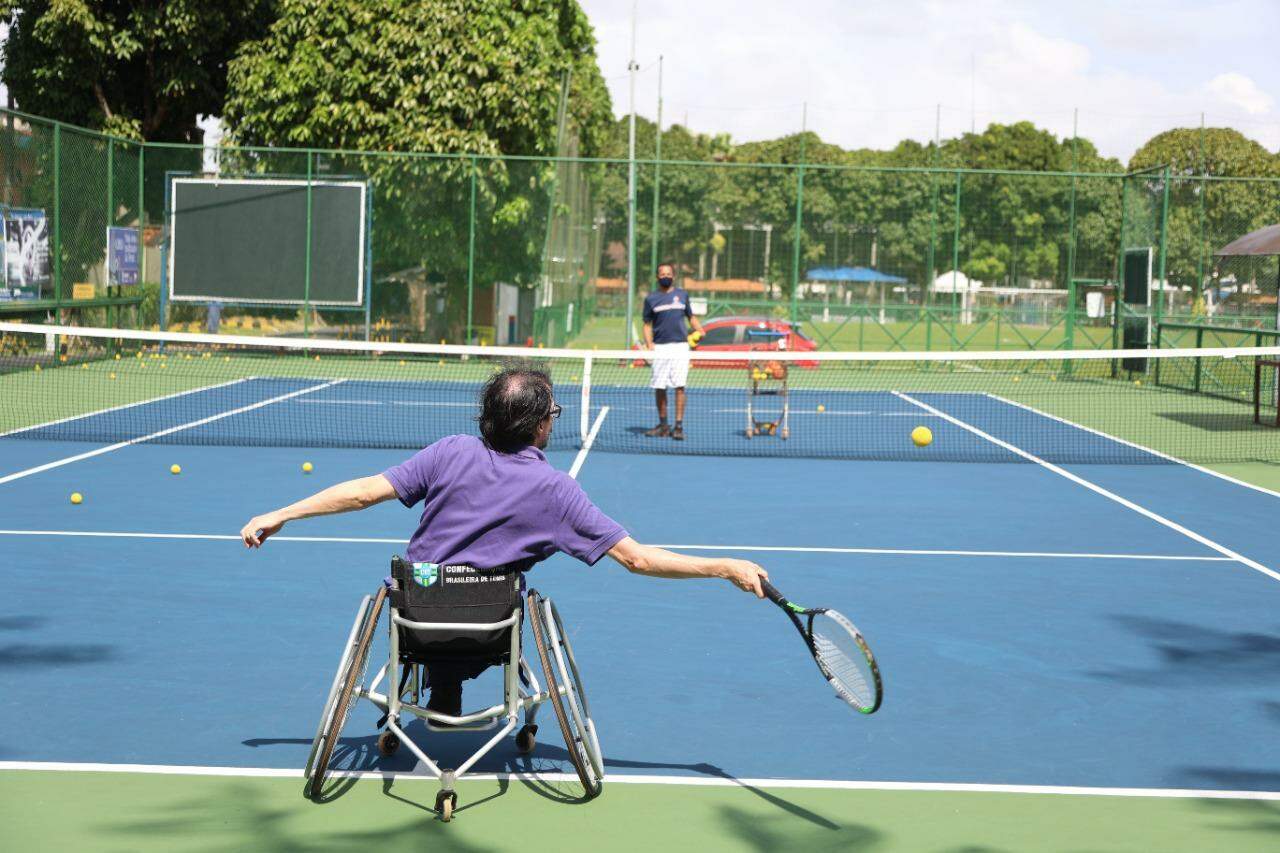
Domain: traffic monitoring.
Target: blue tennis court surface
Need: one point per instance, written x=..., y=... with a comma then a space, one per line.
x=1032, y=629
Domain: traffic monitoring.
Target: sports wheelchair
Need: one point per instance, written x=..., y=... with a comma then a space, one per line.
x=458, y=614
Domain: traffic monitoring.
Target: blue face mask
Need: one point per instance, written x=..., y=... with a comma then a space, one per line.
x=666, y=281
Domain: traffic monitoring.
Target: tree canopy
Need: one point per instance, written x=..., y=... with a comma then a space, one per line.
x=137, y=70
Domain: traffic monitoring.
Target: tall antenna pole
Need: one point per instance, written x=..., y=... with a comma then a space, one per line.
x=973, y=92
x=657, y=180
x=631, y=186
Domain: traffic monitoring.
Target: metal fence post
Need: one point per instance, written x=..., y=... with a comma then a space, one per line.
x=471, y=254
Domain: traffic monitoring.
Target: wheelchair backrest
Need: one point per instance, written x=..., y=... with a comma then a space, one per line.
x=427, y=592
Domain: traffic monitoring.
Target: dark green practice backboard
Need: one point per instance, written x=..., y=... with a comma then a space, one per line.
x=245, y=241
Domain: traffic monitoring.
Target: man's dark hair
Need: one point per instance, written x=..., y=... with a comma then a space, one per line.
x=514, y=401
x=666, y=264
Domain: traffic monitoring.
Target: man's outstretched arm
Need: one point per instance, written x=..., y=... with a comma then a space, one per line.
x=344, y=497
x=661, y=563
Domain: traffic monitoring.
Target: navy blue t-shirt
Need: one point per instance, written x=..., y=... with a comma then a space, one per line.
x=666, y=311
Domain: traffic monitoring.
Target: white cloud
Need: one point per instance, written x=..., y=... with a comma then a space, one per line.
x=1239, y=91
x=873, y=74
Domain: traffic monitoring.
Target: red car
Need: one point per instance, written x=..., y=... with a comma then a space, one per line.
x=743, y=334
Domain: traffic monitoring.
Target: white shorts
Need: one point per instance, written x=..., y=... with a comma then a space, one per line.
x=670, y=365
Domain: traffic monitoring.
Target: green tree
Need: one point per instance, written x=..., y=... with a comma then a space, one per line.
x=1209, y=204
x=466, y=77
x=138, y=70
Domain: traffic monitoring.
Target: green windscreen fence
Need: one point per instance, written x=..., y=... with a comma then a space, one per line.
x=269, y=241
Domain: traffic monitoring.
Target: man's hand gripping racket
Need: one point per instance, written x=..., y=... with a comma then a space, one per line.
x=842, y=655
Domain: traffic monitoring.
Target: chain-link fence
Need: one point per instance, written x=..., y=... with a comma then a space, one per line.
x=469, y=248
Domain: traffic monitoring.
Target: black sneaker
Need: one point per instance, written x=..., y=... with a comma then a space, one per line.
x=678, y=433
x=660, y=431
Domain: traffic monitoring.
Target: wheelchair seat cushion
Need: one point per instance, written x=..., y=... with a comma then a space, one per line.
x=427, y=592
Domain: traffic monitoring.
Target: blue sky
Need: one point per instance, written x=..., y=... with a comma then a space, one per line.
x=874, y=73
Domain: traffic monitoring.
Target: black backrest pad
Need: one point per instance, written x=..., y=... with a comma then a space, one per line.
x=429, y=593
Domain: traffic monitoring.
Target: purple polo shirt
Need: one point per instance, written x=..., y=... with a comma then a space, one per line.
x=487, y=509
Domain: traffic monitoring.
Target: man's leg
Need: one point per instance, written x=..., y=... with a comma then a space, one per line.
x=446, y=677
x=661, y=430
x=678, y=432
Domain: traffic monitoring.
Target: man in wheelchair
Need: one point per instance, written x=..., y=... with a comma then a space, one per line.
x=494, y=502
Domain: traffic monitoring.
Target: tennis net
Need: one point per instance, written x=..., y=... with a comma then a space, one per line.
x=104, y=385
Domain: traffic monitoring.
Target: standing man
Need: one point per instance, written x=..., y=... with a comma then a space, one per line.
x=665, y=311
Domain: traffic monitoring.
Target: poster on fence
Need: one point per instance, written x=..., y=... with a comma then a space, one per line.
x=122, y=256
x=26, y=254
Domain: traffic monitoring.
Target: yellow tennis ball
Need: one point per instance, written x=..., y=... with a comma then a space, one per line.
x=117, y=356
x=76, y=497
x=821, y=408
x=1137, y=382
x=922, y=436
x=113, y=376
x=175, y=469
x=307, y=467
x=38, y=368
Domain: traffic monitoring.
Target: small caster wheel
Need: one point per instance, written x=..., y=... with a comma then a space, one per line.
x=525, y=740
x=388, y=743
x=446, y=803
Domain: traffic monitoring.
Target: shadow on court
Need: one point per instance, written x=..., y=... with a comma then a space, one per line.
x=360, y=755
x=1190, y=654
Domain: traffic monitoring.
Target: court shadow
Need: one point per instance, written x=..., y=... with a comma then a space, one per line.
x=711, y=770
x=753, y=831
x=1245, y=815
x=21, y=623
x=236, y=815
x=1211, y=422
x=52, y=655
x=1231, y=779
x=1190, y=653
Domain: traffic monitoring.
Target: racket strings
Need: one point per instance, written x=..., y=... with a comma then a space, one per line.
x=844, y=662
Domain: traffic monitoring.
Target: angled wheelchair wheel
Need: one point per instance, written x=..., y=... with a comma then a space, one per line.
x=564, y=684
x=351, y=672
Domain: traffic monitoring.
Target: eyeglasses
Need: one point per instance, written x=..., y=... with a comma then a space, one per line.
x=555, y=411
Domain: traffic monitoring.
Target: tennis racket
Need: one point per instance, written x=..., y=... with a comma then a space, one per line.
x=842, y=655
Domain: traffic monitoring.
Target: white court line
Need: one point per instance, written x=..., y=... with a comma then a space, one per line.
x=909, y=552
x=1094, y=487
x=635, y=779
x=124, y=406
x=432, y=405
x=1137, y=446
x=191, y=425
x=581, y=458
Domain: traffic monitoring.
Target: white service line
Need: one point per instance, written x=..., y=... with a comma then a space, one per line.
x=636, y=779
x=1094, y=487
x=908, y=552
x=158, y=434
x=1136, y=446
x=581, y=458
x=20, y=430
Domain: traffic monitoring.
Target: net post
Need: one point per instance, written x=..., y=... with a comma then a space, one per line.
x=584, y=415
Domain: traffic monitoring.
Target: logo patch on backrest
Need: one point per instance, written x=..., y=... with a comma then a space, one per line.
x=425, y=574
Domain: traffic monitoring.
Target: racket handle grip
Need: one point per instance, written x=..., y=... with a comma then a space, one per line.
x=771, y=592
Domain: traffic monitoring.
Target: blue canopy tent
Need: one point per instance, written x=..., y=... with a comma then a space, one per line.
x=851, y=275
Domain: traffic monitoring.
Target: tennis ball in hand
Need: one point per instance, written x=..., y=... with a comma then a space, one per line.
x=307, y=467
x=922, y=436
x=76, y=497
x=175, y=469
